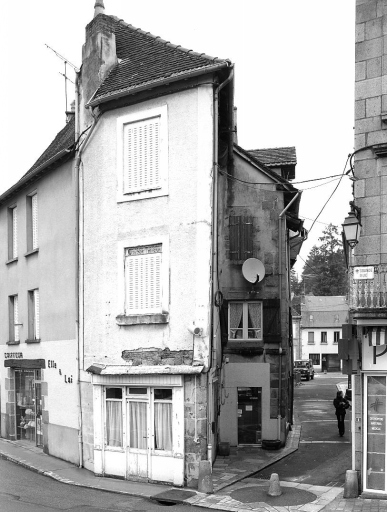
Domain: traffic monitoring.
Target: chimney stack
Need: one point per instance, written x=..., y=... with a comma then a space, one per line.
x=70, y=113
x=99, y=8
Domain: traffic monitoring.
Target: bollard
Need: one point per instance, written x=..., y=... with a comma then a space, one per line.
x=205, y=477
x=274, y=487
x=351, y=486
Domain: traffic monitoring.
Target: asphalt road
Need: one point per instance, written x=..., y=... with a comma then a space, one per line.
x=323, y=456
x=22, y=490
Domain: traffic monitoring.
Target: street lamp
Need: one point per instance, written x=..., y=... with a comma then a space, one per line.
x=352, y=225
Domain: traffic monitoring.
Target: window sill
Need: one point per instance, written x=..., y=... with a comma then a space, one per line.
x=245, y=345
x=155, y=318
x=12, y=260
x=34, y=251
x=13, y=342
x=33, y=340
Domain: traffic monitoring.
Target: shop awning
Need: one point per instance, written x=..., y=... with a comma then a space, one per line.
x=28, y=364
x=110, y=369
x=376, y=336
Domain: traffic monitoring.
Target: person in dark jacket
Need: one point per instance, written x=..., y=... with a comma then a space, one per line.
x=341, y=404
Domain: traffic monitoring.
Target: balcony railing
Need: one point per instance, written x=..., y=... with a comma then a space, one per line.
x=368, y=293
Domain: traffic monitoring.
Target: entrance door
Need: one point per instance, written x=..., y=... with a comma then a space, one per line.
x=333, y=362
x=249, y=415
x=28, y=406
x=137, y=413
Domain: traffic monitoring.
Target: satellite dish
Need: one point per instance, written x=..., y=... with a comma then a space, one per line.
x=253, y=270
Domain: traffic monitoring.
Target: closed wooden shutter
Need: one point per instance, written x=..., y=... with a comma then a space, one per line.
x=271, y=321
x=16, y=318
x=143, y=279
x=241, y=237
x=34, y=201
x=141, y=155
x=14, y=232
x=36, y=315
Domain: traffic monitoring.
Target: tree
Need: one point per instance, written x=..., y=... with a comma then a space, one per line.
x=325, y=271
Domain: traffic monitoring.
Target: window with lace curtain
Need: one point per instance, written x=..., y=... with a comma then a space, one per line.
x=245, y=321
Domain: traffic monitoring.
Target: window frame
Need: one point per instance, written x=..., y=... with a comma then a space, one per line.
x=123, y=317
x=324, y=338
x=244, y=322
x=33, y=316
x=14, y=322
x=311, y=341
x=336, y=334
x=138, y=117
x=32, y=216
x=13, y=237
x=316, y=359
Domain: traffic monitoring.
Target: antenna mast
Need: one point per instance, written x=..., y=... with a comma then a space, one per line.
x=66, y=61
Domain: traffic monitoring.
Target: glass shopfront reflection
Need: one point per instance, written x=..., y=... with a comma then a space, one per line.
x=28, y=406
x=376, y=433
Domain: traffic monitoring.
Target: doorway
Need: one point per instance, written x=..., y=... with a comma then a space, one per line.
x=28, y=394
x=249, y=416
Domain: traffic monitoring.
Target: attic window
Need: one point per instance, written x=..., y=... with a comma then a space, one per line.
x=241, y=237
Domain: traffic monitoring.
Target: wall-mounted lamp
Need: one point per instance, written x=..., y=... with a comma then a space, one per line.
x=352, y=225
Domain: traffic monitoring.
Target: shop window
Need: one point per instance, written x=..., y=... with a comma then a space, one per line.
x=336, y=336
x=315, y=359
x=311, y=338
x=29, y=406
x=33, y=316
x=245, y=321
x=114, y=417
x=14, y=326
x=324, y=339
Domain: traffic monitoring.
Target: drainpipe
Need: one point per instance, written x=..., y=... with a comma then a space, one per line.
x=280, y=262
x=79, y=258
x=215, y=229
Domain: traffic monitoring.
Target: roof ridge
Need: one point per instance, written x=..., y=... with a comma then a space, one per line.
x=167, y=43
x=266, y=149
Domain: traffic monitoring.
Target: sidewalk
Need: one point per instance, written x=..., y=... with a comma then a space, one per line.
x=233, y=489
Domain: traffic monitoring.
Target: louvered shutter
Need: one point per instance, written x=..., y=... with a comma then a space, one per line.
x=34, y=201
x=241, y=237
x=271, y=321
x=16, y=318
x=14, y=232
x=143, y=279
x=234, y=225
x=36, y=315
x=141, y=155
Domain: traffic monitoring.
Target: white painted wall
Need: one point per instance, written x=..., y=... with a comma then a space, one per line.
x=317, y=347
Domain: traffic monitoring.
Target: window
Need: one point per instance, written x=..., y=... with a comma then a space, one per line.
x=12, y=233
x=241, y=237
x=32, y=222
x=14, y=334
x=324, y=339
x=163, y=419
x=143, y=154
x=113, y=417
x=311, y=337
x=245, y=321
x=336, y=336
x=143, y=279
x=33, y=315
x=315, y=359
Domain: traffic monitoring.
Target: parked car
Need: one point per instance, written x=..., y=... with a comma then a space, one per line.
x=305, y=368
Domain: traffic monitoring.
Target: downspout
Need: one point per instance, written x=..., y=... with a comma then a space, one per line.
x=78, y=259
x=280, y=262
x=215, y=237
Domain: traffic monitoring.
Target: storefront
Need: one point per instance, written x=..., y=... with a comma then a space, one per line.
x=25, y=419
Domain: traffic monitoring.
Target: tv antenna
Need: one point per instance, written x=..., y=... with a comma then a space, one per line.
x=66, y=61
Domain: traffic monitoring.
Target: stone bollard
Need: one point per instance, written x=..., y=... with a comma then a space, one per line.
x=274, y=487
x=351, y=486
x=205, y=477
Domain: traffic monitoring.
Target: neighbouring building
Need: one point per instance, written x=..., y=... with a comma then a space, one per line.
x=364, y=344
x=176, y=343
x=321, y=321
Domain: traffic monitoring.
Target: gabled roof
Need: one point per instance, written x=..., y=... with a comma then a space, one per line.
x=275, y=157
x=145, y=60
x=324, y=311
x=61, y=148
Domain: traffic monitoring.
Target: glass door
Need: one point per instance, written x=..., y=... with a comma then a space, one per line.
x=374, y=465
x=137, y=407
x=249, y=415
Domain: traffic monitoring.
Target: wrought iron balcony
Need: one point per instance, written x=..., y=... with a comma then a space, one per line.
x=368, y=293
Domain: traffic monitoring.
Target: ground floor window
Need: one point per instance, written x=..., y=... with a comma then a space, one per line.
x=28, y=406
x=315, y=359
x=147, y=411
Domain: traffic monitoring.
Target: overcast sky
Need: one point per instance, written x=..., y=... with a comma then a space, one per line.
x=294, y=65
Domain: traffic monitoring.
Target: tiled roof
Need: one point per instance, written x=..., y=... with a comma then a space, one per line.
x=275, y=157
x=146, y=60
x=63, y=140
x=324, y=311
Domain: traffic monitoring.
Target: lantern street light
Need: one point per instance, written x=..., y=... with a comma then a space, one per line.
x=352, y=225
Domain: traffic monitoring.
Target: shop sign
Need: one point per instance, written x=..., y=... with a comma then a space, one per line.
x=363, y=273
x=13, y=355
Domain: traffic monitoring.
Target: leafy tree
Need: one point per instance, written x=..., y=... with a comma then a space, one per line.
x=325, y=270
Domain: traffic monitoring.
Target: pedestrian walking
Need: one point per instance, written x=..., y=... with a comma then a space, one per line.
x=341, y=404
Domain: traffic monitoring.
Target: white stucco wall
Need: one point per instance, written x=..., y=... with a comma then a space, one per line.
x=183, y=216
x=317, y=347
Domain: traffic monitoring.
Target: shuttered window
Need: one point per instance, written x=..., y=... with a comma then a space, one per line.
x=142, y=155
x=143, y=279
x=14, y=335
x=241, y=237
x=36, y=315
x=34, y=201
x=12, y=233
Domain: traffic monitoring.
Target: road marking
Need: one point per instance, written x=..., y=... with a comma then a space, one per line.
x=325, y=442
x=318, y=400
x=318, y=421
